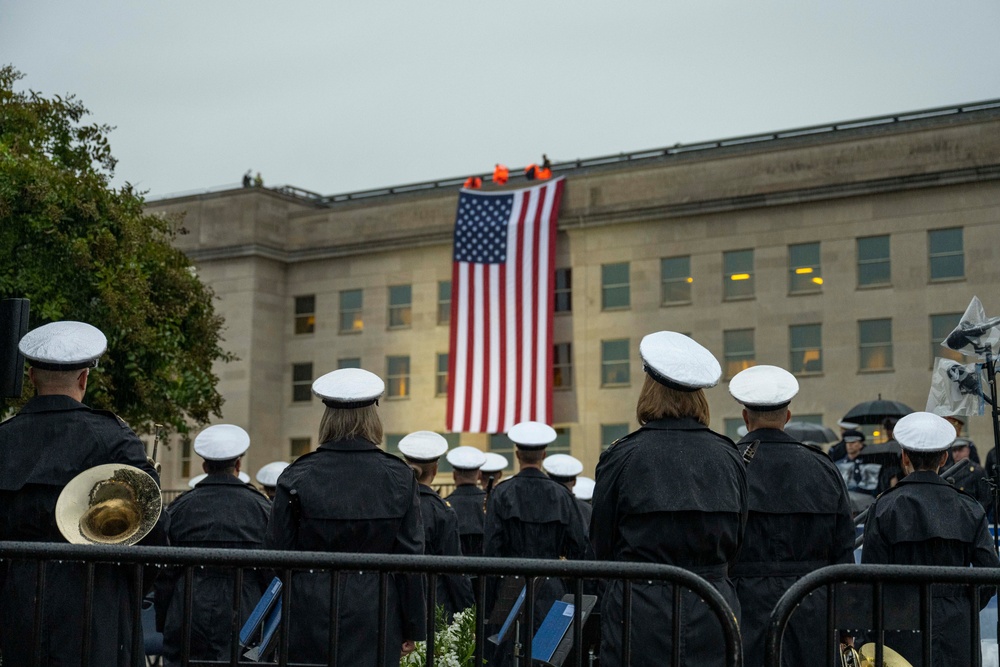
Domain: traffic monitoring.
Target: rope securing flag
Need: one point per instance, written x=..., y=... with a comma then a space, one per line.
x=500, y=359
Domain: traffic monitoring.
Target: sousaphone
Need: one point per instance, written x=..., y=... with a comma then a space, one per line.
x=109, y=504
x=866, y=657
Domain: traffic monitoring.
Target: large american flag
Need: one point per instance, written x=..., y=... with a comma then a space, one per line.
x=500, y=362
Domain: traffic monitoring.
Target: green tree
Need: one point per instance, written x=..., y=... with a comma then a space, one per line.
x=80, y=249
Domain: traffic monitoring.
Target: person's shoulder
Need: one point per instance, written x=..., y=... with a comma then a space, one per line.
x=109, y=418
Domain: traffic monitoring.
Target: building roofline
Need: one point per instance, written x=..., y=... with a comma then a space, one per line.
x=827, y=129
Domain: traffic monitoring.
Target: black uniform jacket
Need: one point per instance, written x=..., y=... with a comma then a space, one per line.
x=50, y=441
x=220, y=513
x=586, y=512
x=924, y=520
x=673, y=492
x=441, y=539
x=971, y=479
x=352, y=497
x=799, y=521
x=469, y=503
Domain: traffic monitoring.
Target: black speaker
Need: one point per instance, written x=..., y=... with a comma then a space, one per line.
x=13, y=326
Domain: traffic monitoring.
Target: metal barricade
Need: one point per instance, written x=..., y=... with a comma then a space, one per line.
x=285, y=563
x=922, y=579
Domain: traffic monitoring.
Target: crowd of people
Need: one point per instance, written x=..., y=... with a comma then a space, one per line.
x=750, y=517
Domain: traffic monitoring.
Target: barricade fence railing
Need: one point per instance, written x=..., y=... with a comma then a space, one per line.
x=239, y=564
x=855, y=606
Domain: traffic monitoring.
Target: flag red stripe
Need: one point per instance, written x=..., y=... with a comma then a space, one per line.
x=519, y=310
x=553, y=234
x=502, y=343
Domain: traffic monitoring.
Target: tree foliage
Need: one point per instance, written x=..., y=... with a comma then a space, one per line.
x=81, y=249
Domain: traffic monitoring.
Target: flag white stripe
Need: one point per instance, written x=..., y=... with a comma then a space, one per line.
x=494, y=361
x=541, y=328
x=510, y=324
x=476, y=411
x=527, y=331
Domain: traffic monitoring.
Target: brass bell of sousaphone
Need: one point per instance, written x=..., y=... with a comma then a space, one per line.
x=889, y=657
x=109, y=504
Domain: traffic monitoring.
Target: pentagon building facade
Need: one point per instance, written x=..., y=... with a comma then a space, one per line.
x=844, y=253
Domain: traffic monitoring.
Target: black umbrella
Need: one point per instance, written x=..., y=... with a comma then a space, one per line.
x=809, y=432
x=873, y=412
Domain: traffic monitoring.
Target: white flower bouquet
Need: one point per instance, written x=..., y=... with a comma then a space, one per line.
x=454, y=643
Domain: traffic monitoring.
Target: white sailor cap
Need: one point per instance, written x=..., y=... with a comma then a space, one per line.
x=678, y=362
x=562, y=466
x=221, y=442
x=268, y=475
x=349, y=388
x=243, y=477
x=63, y=346
x=763, y=388
x=584, y=488
x=924, y=432
x=466, y=458
x=531, y=435
x=961, y=442
x=193, y=482
x=494, y=463
x=742, y=430
x=423, y=446
x=851, y=426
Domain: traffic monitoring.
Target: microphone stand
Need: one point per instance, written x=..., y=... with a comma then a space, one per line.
x=991, y=378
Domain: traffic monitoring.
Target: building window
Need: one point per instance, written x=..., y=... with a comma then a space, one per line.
x=398, y=376
x=186, y=457
x=441, y=376
x=302, y=378
x=349, y=362
x=299, y=446
x=564, y=290
x=947, y=257
x=400, y=306
x=875, y=344
x=675, y=280
x=737, y=274
x=805, y=341
x=453, y=441
x=612, y=432
x=614, y=286
x=350, y=311
x=809, y=418
x=305, y=314
x=804, y=271
x=874, y=267
x=562, y=366
x=941, y=326
x=444, y=301
x=737, y=350
x=392, y=443
x=614, y=362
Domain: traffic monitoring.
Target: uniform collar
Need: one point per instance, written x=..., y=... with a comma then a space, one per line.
x=221, y=479
x=923, y=477
x=769, y=435
x=531, y=472
x=427, y=491
x=349, y=445
x=52, y=403
x=672, y=424
x=466, y=489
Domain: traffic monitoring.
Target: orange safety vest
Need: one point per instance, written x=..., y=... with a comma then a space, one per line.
x=531, y=172
x=544, y=174
x=473, y=183
x=500, y=174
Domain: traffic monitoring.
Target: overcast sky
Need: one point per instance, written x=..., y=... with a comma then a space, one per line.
x=336, y=96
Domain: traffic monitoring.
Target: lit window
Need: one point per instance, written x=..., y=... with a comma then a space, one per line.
x=564, y=290
x=441, y=376
x=675, y=280
x=350, y=311
x=444, y=301
x=947, y=257
x=302, y=378
x=614, y=362
x=738, y=350
x=941, y=326
x=305, y=314
x=562, y=366
x=875, y=344
x=737, y=274
x=804, y=271
x=397, y=376
x=874, y=267
x=806, y=348
x=400, y=306
x=612, y=432
x=614, y=286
